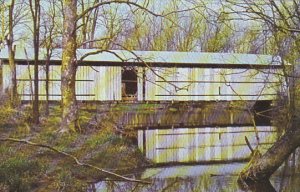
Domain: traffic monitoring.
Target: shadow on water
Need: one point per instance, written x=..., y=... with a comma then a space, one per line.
x=194, y=114
x=260, y=186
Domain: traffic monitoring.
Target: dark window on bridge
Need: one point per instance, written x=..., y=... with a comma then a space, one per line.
x=129, y=83
x=262, y=112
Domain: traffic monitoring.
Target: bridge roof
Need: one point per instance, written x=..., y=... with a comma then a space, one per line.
x=153, y=57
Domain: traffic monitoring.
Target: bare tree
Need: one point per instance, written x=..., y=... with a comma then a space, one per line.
x=49, y=33
x=9, y=36
x=282, y=20
x=68, y=68
x=35, y=10
x=11, y=55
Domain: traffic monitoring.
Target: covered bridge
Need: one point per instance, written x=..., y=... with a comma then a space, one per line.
x=121, y=75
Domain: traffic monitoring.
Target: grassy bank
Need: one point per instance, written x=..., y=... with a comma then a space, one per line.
x=31, y=168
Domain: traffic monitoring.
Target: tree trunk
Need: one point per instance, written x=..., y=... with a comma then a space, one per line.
x=84, y=27
x=49, y=50
x=11, y=58
x=35, y=107
x=47, y=64
x=13, y=74
x=261, y=167
x=68, y=69
x=35, y=13
x=94, y=24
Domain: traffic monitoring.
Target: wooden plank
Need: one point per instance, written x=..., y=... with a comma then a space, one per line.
x=140, y=84
x=54, y=86
x=141, y=140
x=6, y=77
x=151, y=145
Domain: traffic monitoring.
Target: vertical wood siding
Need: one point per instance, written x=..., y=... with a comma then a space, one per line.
x=85, y=83
x=97, y=83
x=140, y=83
x=6, y=77
x=54, y=83
x=192, y=84
x=103, y=83
x=108, y=83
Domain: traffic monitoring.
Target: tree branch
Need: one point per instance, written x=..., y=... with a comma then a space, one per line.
x=249, y=145
x=75, y=159
x=129, y=3
x=100, y=51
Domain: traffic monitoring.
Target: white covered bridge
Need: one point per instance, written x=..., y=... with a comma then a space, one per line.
x=153, y=76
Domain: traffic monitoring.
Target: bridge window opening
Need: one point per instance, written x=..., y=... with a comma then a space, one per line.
x=129, y=84
x=262, y=112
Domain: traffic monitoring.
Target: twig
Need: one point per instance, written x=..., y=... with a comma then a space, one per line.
x=29, y=74
x=75, y=159
x=249, y=145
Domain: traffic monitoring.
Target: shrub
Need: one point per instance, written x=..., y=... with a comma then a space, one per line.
x=19, y=173
x=13, y=115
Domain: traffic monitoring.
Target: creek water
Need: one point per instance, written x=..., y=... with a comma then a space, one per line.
x=199, y=154
x=204, y=144
x=181, y=164
x=206, y=178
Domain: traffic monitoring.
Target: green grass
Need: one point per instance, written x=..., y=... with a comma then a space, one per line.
x=19, y=173
x=28, y=168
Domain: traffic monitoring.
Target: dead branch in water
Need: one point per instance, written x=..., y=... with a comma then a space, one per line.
x=75, y=159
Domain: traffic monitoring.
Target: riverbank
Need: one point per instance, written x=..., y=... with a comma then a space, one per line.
x=104, y=141
x=25, y=167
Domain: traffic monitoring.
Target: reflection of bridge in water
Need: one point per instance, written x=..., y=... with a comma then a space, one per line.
x=206, y=144
x=196, y=132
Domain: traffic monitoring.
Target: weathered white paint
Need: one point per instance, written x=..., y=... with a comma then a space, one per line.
x=141, y=141
x=85, y=83
x=97, y=83
x=203, y=144
x=55, y=83
x=140, y=83
x=103, y=83
x=108, y=83
x=183, y=84
x=25, y=85
x=188, y=80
